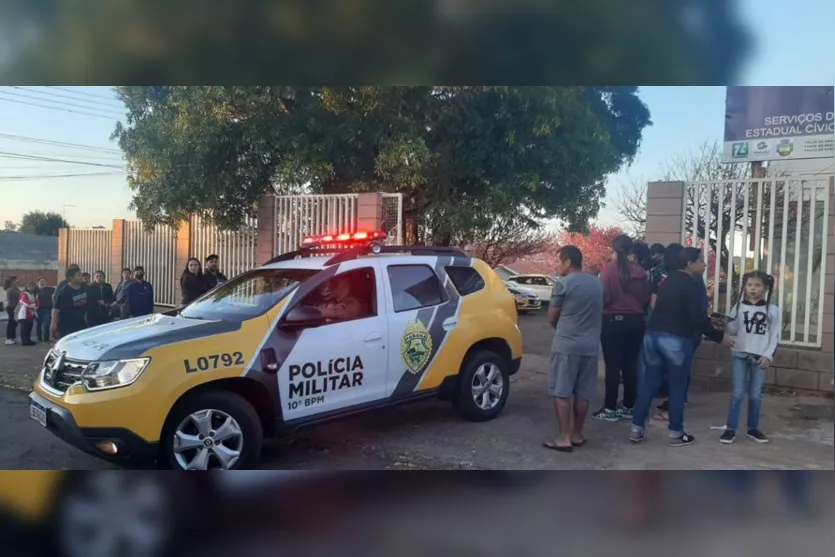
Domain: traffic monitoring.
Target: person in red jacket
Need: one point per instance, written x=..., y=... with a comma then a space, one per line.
x=27, y=310
x=626, y=285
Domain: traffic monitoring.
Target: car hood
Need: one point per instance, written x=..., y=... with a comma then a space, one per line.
x=522, y=290
x=131, y=338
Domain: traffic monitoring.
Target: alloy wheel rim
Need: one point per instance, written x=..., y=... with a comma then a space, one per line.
x=208, y=439
x=488, y=386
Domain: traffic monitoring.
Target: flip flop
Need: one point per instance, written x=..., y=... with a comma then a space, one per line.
x=580, y=444
x=554, y=447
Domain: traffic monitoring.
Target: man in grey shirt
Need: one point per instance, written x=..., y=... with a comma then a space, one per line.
x=576, y=311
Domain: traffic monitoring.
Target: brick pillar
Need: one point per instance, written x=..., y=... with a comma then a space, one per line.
x=370, y=211
x=183, y=255
x=665, y=212
x=265, y=241
x=63, y=252
x=117, y=241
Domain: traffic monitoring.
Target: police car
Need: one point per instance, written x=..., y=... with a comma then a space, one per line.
x=340, y=326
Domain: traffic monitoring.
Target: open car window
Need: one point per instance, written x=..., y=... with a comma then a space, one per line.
x=248, y=295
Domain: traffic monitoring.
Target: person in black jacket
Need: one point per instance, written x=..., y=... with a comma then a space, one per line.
x=44, y=317
x=212, y=275
x=677, y=317
x=101, y=298
x=193, y=283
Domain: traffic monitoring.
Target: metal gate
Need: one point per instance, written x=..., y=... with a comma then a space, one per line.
x=90, y=248
x=236, y=248
x=778, y=225
x=156, y=251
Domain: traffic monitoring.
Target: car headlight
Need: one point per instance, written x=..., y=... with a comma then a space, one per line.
x=112, y=374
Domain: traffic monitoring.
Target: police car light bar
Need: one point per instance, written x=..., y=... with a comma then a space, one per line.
x=344, y=238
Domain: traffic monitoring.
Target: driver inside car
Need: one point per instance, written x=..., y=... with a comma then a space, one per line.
x=338, y=302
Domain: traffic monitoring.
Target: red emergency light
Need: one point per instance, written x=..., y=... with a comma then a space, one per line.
x=344, y=238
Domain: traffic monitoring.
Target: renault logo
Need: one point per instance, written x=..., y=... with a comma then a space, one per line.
x=56, y=366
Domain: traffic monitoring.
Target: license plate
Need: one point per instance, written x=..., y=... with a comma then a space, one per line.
x=38, y=413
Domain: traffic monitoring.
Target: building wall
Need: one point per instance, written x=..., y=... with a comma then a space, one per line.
x=793, y=368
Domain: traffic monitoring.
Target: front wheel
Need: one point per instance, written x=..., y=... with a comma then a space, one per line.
x=213, y=430
x=483, y=386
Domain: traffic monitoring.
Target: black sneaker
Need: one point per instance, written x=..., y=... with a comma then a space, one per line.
x=728, y=437
x=685, y=439
x=757, y=436
x=664, y=406
x=636, y=436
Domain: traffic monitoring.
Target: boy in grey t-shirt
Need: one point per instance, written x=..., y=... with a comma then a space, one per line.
x=576, y=312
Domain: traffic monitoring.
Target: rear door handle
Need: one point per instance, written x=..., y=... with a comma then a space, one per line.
x=450, y=323
x=373, y=337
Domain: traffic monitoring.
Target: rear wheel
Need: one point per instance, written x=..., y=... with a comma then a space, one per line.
x=212, y=430
x=483, y=386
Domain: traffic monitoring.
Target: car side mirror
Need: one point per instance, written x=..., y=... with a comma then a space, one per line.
x=302, y=317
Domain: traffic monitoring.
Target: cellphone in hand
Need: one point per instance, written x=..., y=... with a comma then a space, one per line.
x=727, y=318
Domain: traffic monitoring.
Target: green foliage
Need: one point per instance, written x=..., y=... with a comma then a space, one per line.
x=460, y=155
x=42, y=224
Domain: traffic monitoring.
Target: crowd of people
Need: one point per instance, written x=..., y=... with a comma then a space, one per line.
x=39, y=313
x=647, y=312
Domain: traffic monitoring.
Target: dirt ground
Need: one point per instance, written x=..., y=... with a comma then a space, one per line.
x=432, y=436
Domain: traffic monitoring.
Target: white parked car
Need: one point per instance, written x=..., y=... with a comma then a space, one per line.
x=542, y=285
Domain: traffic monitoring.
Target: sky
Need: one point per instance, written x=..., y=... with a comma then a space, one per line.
x=794, y=46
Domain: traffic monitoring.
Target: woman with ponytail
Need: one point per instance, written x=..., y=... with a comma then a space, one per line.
x=626, y=286
x=756, y=340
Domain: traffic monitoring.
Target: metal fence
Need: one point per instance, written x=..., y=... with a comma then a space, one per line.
x=89, y=248
x=156, y=251
x=393, y=217
x=297, y=216
x=778, y=225
x=236, y=248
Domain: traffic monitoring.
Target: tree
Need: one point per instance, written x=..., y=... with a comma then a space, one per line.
x=631, y=204
x=460, y=155
x=505, y=240
x=42, y=224
x=690, y=42
x=10, y=226
x=596, y=245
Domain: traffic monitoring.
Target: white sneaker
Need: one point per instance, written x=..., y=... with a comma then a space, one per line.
x=11, y=341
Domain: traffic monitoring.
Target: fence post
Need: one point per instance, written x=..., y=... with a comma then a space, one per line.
x=117, y=242
x=370, y=211
x=828, y=337
x=63, y=252
x=665, y=212
x=266, y=234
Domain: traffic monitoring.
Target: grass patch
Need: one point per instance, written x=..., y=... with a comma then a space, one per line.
x=17, y=381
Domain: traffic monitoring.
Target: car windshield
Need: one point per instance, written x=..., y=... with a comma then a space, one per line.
x=248, y=295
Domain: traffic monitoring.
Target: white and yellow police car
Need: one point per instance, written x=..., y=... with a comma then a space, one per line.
x=343, y=325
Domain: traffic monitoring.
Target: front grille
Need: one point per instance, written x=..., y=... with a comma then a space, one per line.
x=66, y=375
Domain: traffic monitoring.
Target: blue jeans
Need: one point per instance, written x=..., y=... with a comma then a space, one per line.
x=44, y=321
x=670, y=356
x=749, y=378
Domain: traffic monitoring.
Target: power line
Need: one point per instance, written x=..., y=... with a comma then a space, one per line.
x=62, y=103
x=44, y=176
x=97, y=103
x=117, y=104
x=56, y=108
x=86, y=93
x=24, y=156
x=79, y=146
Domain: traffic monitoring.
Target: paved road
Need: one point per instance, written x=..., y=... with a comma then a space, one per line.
x=431, y=435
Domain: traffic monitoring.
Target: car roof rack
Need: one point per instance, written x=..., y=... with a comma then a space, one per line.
x=359, y=249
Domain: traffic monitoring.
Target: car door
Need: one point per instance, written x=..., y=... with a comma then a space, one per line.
x=339, y=364
x=542, y=286
x=423, y=310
